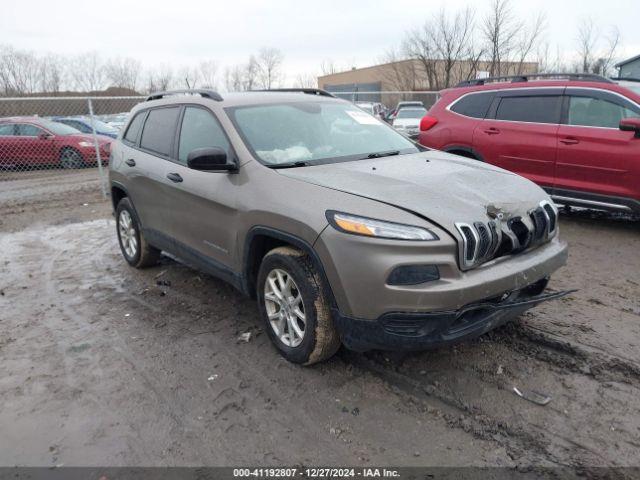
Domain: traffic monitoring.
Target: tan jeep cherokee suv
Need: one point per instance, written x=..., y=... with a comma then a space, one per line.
x=344, y=230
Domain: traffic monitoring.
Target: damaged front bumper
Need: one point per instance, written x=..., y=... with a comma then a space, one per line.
x=419, y=331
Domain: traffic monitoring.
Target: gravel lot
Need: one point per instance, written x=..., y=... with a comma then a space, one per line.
x=101, y=364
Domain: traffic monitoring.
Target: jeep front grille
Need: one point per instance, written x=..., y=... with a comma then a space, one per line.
x=482, y=241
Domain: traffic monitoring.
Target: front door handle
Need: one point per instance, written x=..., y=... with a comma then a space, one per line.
x=174, y=177
x=492, y=131
x=131, y=162
x=569, y=141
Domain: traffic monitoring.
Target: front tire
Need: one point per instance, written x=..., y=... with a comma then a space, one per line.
x=295, y=308
x=134, y=247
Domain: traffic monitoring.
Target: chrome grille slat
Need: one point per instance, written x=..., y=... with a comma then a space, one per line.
x=482, y=242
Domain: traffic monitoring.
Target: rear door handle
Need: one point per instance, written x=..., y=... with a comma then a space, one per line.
x=569, y=141
x=131, y=162
x=174, y=177
x=492, y=131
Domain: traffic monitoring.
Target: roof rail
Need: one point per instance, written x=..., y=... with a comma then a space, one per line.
x=581, y=77
x=310, y=91
x=203, y=93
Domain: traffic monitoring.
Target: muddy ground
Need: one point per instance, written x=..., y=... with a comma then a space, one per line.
x=101, y=364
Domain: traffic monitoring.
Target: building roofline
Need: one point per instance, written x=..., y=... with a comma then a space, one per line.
x=625, y=62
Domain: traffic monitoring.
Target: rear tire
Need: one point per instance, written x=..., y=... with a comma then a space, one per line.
x=70, y=158
x=134, y=247
x=295, y=308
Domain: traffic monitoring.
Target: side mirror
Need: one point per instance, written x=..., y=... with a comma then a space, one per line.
x=631, y=125
x=44, y=136
x=210, y=159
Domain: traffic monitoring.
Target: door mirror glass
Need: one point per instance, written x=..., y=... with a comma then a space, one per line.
x=631, y=125
x=209, y=159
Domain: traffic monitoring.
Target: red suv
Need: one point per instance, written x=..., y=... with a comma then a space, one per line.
x=26, y=142
x=577, y=136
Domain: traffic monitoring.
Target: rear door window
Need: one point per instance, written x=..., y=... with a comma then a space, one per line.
x=159, y=130
x=530, y=109
x=473, y=105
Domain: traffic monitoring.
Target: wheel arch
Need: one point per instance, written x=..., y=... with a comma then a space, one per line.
x=118, y=192
x=259, y=241
x=464, y=151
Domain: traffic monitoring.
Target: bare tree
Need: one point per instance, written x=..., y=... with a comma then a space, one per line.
x=160, y=79
x=306, y=80
x=450, y=36
x=605, y=62
x=401, y=72
x=419, y=46
x=123, y=72
x=328, y=67
x=250, y=74
x=233, y=78
x=587, y=40
x=87, y=72
x=269, y=67
x=19, y=71
x=52, y=73
x=528, y=40
x=208, y=74
x=500, y=29
x=189, y=77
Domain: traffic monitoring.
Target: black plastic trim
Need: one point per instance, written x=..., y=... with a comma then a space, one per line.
x=192, y=257
x=305, y=246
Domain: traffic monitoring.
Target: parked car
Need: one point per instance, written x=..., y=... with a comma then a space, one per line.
x=373, y=108
x=116, y=121
x=83, y=124
x=34, y=141
x=577, y=136
x=632, y=84
x=407, y=121
x=404, y=104
x=346, y=233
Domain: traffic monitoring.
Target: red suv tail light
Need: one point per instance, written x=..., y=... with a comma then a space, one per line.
x=427, y=122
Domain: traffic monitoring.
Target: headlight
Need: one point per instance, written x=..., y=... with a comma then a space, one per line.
x=85, y=144
x=369, y=227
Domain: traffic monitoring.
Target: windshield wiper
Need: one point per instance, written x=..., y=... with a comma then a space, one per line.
x=289, y=165
x=383, y=154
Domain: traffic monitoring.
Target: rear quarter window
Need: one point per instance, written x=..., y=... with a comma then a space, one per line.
x=131, y=136
x=474, y=105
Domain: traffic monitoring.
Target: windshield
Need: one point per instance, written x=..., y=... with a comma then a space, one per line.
x=58, y=128
x=412, y=113
x=315, y=132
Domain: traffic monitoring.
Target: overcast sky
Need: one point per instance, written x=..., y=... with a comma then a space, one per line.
x=348, y=32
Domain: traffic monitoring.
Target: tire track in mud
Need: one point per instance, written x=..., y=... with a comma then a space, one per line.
x=527, y=440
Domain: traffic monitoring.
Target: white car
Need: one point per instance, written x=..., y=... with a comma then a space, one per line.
x=407, y=121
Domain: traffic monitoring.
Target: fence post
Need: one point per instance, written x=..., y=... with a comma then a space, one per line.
x=97, y=147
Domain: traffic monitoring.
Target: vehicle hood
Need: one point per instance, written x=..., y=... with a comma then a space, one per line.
x=443, y=188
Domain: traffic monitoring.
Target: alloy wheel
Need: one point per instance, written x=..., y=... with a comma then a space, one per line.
x=285, y=308
x=128, y=238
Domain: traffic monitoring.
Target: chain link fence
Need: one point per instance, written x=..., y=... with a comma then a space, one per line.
x=46, y=137
x=39, y=135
